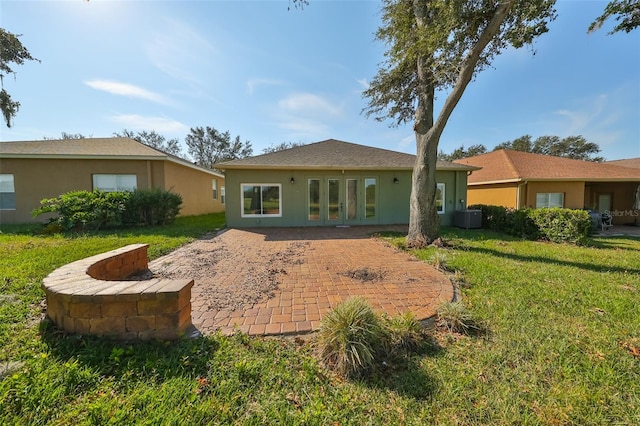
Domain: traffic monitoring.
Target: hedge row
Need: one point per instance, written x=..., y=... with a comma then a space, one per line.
x=553, y=224
x=98, y=209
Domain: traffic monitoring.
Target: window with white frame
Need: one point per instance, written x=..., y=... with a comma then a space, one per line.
x=115, y=182
x=222, y=195
x=549, y=199
x=214, y=187
x=261, y=200
x=440, y=199
x=7, y=192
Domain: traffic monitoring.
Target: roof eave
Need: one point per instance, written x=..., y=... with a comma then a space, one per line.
x=83, y=157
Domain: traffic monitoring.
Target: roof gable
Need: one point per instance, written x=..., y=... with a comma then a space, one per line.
x=507, y=165
x=333, y=154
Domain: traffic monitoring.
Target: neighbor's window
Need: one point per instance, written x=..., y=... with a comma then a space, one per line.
x=214, y=186
x=112, y=183
x=222, y=195
x=549, y=199
x=440, y=198
x=370, y=198
x=261, y=200
x=7, y=192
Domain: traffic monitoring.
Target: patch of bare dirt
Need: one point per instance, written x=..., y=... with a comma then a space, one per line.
x=365, y=274
x=258, y=281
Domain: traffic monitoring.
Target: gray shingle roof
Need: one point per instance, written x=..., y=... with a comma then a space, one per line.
x=334, y=154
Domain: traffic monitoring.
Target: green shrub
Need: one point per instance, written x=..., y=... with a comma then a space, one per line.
x=563, y=225
x=520, y=224
x=85, y=209
x=152, y=207
x=555, y=224
x=349, y=337
x=493, y=217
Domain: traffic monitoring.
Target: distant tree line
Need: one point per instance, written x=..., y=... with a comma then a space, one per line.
x=206, y=146
x=574, y=147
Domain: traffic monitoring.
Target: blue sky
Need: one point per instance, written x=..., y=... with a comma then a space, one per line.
x=274, y=75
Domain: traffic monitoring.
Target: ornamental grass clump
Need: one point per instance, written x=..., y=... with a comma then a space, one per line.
x=404, y=334
x=455, y=317
x=349, y=338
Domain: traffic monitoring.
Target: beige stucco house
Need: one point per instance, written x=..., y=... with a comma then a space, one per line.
x=33, y=170
x=518, y=179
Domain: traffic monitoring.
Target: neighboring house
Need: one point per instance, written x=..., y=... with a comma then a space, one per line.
x=520, y=179
x=333, y=183
x=33, y=170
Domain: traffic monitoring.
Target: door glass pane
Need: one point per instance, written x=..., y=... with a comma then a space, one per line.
x=370, y=198
x=352, y=199
x=314, y=199
x=333, y=197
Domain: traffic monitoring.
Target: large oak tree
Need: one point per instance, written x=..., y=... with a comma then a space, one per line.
x=440, y=45
x=12, y=52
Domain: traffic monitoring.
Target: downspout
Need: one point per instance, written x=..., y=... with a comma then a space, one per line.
x=519, y=194
x=149, y=175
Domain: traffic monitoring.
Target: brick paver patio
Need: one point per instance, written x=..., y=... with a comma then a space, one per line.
x=329, y=265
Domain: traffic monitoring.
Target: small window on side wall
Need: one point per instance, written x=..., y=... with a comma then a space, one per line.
x=7, y=192
x=440, y=198
x=214, y=186
x=549, y=199
x=222, y=195
x=115, y=182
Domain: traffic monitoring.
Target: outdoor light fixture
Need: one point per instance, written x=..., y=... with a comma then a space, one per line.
x=292, y=181
x=396, y=180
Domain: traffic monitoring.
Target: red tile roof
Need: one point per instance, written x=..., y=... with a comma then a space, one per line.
x=628, y=162
x=507, y=165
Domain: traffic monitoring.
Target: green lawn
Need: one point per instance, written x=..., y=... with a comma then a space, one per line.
x=562, y=326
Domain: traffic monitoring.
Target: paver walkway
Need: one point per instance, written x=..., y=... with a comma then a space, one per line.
x=308, y=272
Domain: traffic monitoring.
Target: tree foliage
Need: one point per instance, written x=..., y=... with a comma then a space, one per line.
x=66, y=135
x=438, y=45
x=575, y=147
x=461, y=152
x=11, y=52
x=281, y=147
x=154, y=140
x=207, y=146
x=625, y=12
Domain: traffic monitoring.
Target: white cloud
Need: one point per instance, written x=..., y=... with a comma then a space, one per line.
x=255, y=82
x=363, y=83
x=124, y=89
x=159, y=124
x=596, y=118
x=180, y=51
x=406, y=142
x=308, y=103
x=306, y=115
